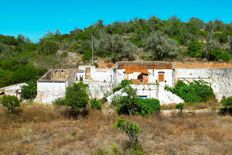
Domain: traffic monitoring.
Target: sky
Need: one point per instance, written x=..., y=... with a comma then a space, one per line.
x=35, y=18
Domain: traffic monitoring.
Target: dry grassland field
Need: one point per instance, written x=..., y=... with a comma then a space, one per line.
x=40, y=129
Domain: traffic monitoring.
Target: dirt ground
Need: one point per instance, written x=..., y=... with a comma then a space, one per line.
x=40, y=129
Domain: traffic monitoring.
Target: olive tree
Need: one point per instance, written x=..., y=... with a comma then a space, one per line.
x=116, y=46
x=160, y=46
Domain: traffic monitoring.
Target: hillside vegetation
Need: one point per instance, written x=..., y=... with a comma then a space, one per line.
x=22, y=60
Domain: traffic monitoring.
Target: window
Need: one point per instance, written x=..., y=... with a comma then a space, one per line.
x=161, y=76
x=143, y=96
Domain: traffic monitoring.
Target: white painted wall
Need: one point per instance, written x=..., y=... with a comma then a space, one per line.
x=119, y=76
x=151, y=91
x=98, y=74
x=102, y=75
x=157, y=92
x=47, y=92
x=99, y=90
x=168, y=76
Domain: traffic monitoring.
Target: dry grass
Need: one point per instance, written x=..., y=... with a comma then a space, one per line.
x=40, y=129
x=194, y=106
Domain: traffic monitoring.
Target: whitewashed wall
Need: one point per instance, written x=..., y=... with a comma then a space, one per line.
x=119, y=76
x=97, y=74
x=47, y=92
x=151, y=91
x=157, y=92
x=168, y=76
x=99, y=90
x=102, y=75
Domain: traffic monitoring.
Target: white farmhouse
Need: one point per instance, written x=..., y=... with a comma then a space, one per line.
x=148, y=78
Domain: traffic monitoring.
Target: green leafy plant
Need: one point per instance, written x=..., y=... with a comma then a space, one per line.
x=180, y=106
x=29, y=92
x=132, y=105
x=60, y=102
x=226, y=105
x=76, y=97
x=47, y=47
x=96, y=104
x=147, y=106
x=123, y=84
x=11, y=103
x=131, y=129
x=196, y=91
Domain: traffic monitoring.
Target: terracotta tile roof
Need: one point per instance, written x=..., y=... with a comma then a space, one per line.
x=142, y=67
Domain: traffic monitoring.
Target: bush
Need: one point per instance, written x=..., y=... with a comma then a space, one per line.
x=47, y=47
x=197, y=91
x=76, y=98
x=96, y=104
x=11, y=103
x=147, y=106
x=132, y=105
x=123, y=84
x=227, y=106
x=195, y=49
x=29, y=92
x=131, y=129
x=60, y=102
x=180, y=106
x=219, y=54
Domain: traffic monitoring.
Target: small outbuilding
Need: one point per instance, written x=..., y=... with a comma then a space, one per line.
x=13, y=90
x=53, y=84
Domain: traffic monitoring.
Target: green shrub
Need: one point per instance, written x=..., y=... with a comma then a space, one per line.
x=11, y=103
x=226, y=105
x=180, y=106
x=76, y=97
x=195, y=49
x=131, y=129
x=60, y=102
x=197, y=91
x=96, y=104
x=47, y=47
x=132, y=105
x=87, y=55
x=147, y=106
x=123, y=84
x=219, y=54
x=29, y=92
